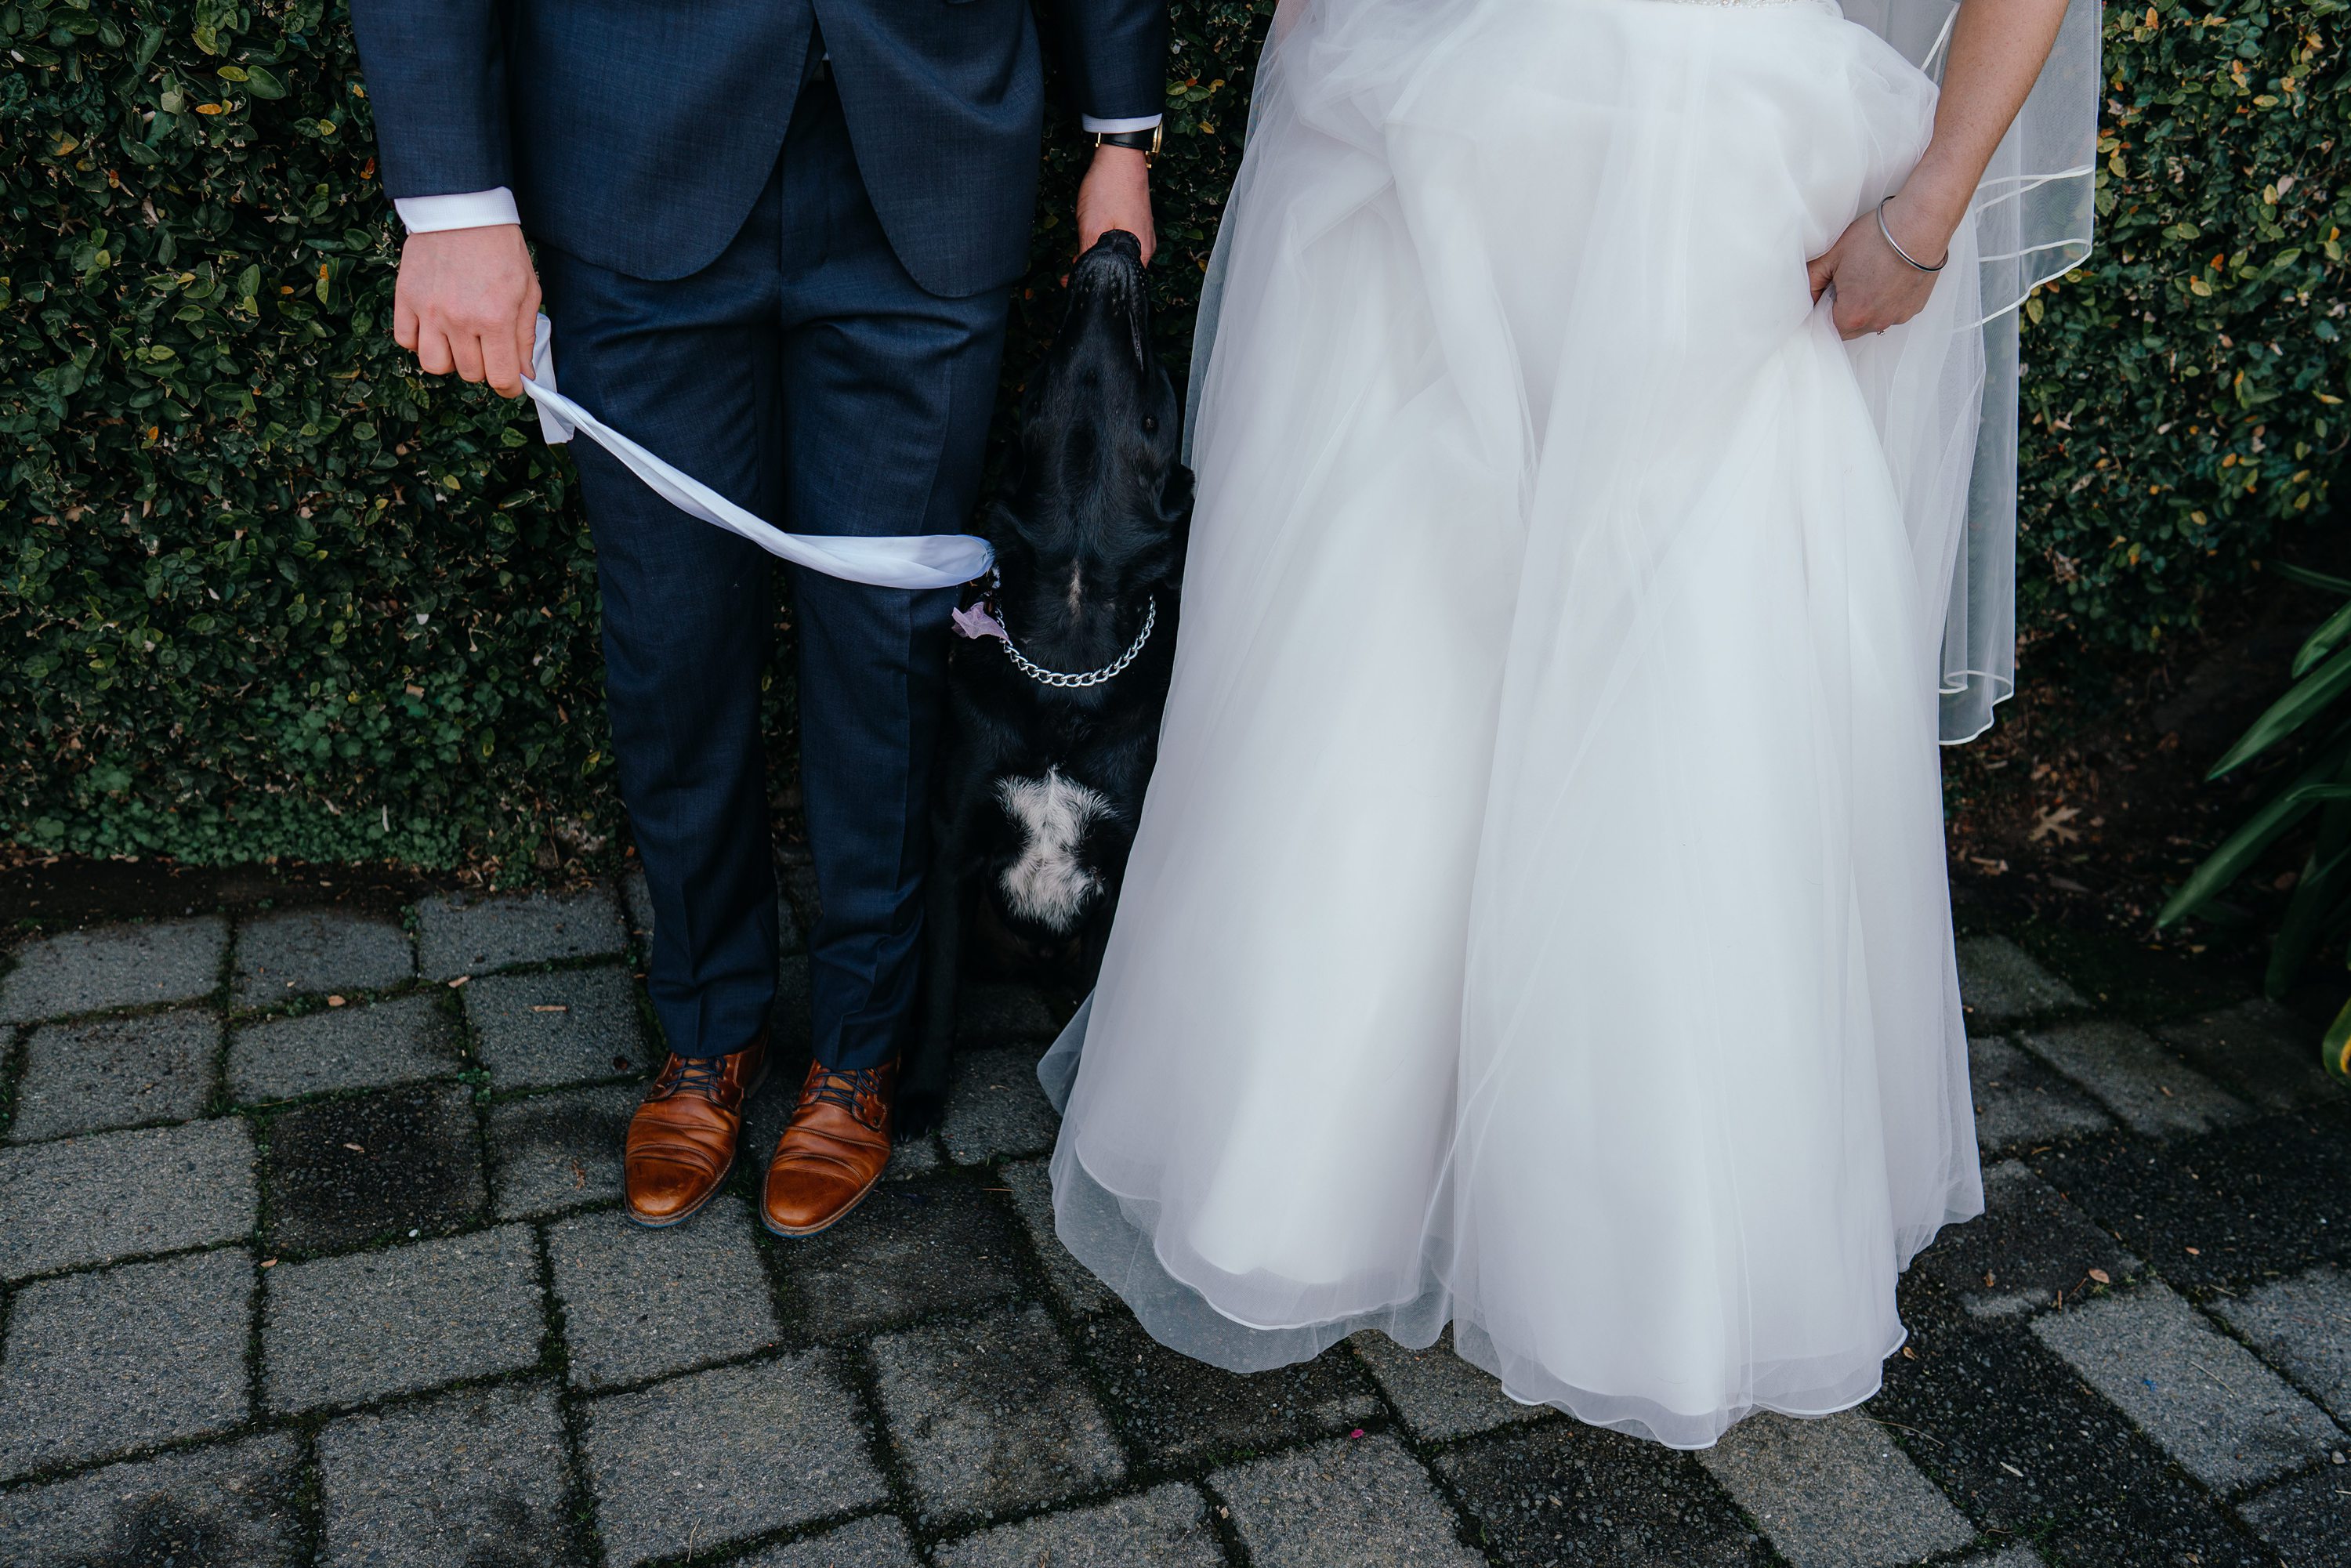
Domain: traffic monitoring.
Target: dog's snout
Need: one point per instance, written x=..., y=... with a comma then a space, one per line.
x=1108, y=301
x=1118, y=243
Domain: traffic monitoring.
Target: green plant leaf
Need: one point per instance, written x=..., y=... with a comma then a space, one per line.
x=2317, y=898
x=2334, y=1046
x=2322, y=642
x=2241, y=848
x=2309, y=578
x=2303, y=700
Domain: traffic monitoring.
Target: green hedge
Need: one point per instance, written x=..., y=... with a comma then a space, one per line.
x=2185, y=390
x=264, y=590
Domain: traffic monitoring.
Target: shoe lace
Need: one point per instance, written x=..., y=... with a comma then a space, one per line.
x=702, y=1075
x=842, y=1087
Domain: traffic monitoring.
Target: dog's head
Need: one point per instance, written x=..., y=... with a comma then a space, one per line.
x=1095, y=515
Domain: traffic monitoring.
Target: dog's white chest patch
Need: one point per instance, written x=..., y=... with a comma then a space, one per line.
x=1048, y=883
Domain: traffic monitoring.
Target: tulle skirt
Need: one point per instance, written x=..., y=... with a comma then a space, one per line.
x=1538, y=919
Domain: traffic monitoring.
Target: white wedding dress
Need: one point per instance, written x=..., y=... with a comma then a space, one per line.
x=1538, y=919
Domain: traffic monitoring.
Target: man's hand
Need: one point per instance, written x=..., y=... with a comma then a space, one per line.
x=1116, y=194
x=467, y=300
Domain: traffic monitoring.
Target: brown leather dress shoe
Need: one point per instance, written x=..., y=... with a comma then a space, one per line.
x=682, y=1140
x=833, y=1151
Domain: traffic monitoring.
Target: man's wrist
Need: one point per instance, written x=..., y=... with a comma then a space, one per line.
x=1121, y=160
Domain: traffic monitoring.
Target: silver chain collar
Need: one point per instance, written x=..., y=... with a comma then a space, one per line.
x=1043, y=677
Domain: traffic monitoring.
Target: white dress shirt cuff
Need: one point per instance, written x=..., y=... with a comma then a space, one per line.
x=1093, y=125
x=468, y=210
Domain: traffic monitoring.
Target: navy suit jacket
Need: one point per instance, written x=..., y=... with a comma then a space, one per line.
x=635, y=134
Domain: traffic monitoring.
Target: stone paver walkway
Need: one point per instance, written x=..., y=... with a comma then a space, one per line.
x=310, y=1253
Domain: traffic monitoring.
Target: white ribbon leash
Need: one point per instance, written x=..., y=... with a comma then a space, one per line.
x=901, y=560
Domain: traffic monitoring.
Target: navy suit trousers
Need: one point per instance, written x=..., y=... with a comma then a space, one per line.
x=806, y=375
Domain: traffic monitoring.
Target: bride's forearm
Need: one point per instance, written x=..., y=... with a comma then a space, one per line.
x=1998, y=47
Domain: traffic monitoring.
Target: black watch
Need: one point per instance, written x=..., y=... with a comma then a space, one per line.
x=1144, y=142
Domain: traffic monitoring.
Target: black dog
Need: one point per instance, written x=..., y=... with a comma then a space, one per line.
x=1056, y=720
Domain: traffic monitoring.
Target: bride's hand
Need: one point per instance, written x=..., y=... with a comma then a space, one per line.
x=1875, y=289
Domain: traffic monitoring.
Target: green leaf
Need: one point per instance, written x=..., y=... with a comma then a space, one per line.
x=2335, y=1046
x=2322, y=642
x=2303, y=700
x=2241, y=848
x=2316, y=896
x=2309, y=578
x=263, y=82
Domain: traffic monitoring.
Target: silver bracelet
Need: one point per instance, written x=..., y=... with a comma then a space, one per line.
x=1897, y=244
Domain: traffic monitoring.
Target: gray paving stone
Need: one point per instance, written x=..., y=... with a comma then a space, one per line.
x=672, y=1467
x=554, y=1152
x=2020, y=1103
x=2011, y=1557
x=1341, y=1504
x=111, y=1195
x=461, y=934
x=1835, y=1492
x=348, y=1330
x=475, y=1477
x=116, y=1072
x=225, y=1505
x=540, y=1030
x=1563, y=1492
x=990, y=1416
x=638, y=1303
x=1005, y=1015
x=2203, y=1399
x=2154, y=1093
x=906, y=1252
x=637, y=903
x=2259, y=1048
x=124, y=1357
x=2302, y=1326
x=344, y=1172
x=2030, y=1248
x=2306, y=1521
x=1165, y=1526
x=396, y=1041
x=1181, y=1412
x=2000, y=983
x=877, y=1542
x=995, y=1108
x=1440, y=1395
x=114, y=967
x=1031, y=1182
x=300, y=952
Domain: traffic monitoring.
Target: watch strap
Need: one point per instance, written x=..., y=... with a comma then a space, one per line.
x=1146, y=142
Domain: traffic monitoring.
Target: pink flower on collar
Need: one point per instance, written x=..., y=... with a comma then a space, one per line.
x=978, y=621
